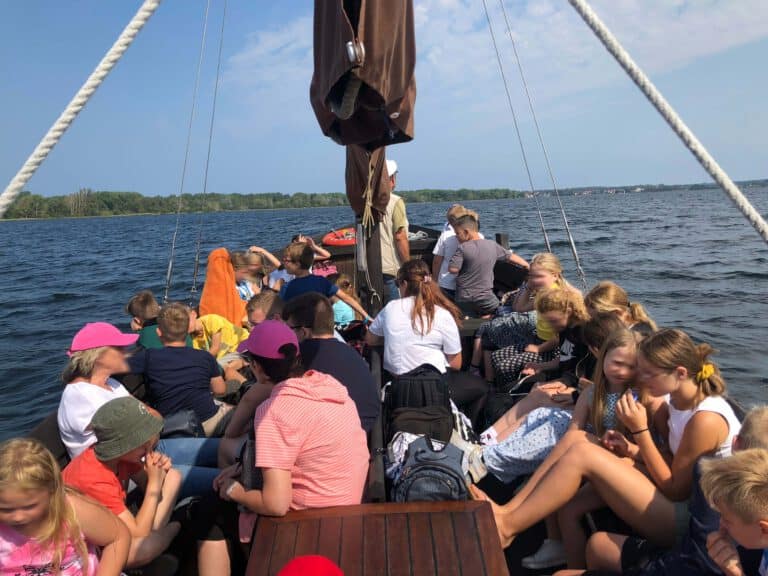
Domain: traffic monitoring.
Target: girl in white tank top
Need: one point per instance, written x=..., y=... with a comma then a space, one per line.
x=699, y=422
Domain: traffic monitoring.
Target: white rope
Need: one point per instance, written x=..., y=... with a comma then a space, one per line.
x=77, y=104
x=531, y=107
x=517, y=128
x=673, y=119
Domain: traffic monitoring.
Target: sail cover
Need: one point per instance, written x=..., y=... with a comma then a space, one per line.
x=364, y=50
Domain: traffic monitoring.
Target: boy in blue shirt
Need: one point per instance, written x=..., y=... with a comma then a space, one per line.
x=181, y=378
x=297, y=259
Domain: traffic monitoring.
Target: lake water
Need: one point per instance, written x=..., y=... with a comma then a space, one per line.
x=688, y=256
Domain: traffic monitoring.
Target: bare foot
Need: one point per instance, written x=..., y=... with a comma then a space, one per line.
x=478, y=494
x=498, y=515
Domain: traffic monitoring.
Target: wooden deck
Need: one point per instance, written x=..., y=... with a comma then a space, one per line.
x=416, y=539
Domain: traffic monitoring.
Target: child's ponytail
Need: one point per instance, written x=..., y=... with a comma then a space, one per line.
x=708, y=377
x=670, y=348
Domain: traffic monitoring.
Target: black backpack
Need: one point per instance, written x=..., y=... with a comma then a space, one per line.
x=429, y=475
x=421, y=387
x=433, y=421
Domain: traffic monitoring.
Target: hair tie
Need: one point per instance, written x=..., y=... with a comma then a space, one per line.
x=707, y=370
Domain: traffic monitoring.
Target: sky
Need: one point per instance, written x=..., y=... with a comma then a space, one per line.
x=707, y=57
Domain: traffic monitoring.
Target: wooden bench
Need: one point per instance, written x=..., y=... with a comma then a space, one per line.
x=417, y=539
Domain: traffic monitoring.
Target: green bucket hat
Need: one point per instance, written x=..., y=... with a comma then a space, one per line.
x=122, y=425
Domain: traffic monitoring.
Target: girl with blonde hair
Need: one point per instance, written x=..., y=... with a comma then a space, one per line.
x=563, y=310
x=607, y=296
x=48, y=529
x=250, y=270
x=523, y=450
x=697, y=421
x=522, y=327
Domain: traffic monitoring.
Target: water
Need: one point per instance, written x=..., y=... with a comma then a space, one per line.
x=689, y=257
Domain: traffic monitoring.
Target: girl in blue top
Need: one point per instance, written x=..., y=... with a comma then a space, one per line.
x=522, y=451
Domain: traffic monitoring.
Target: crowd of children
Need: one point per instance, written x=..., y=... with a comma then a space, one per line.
x=609, y=413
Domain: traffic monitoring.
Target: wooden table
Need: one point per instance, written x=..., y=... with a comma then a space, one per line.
x=415, y=539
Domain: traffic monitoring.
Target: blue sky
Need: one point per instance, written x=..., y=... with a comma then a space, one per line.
x=707, y=56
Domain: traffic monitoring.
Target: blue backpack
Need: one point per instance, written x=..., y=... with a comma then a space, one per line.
x=429, y=475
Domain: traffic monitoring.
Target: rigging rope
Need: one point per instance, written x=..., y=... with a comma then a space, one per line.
x=571, y=242
x=673, y=119
x=195, y=90
x=77, y=103
x=517, y=129
x=193, y=289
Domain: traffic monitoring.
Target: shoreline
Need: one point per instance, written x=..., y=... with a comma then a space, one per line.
x=416, y=197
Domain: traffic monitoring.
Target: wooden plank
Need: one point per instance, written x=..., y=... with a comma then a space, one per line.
x=420, y=534
x=283, y=547
x=307, y=537
x=351, y=560
x=261, y=550
x=444, y=544
x=398, y=546
x=384, y=508
x=414, y=539
x=374, y=551
x=488, y=537
x=329, y=540
x=467, y=545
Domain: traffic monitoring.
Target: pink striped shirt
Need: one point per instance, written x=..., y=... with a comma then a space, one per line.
x=310, y=426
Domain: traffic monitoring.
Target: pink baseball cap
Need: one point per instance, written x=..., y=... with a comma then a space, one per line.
x=267, y=337
x=98, y=334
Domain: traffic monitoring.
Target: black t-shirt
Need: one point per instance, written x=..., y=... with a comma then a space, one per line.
x=572, y=348
x=177, y=379
x=332, y=357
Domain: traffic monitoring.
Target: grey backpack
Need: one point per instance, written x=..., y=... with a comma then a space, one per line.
x=430, y=475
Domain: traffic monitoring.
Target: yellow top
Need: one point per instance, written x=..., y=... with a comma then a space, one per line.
x=231, y=335
x=543, y=329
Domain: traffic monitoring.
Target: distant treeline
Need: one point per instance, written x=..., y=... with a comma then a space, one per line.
x=87, y=202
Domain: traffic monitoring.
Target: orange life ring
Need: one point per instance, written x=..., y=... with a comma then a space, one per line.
x=341, y=237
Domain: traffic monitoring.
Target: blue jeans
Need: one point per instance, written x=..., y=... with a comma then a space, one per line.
x=196, y=459
x=391, y=291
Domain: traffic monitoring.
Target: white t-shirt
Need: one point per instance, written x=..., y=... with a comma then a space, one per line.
x=446, y=246
x=406, y=349
x=276, y=275
x=79, y=403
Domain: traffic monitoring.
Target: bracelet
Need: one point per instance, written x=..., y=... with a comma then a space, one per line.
x=638, y=431
x=230, y=489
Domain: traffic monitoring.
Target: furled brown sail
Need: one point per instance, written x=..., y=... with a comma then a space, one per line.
x=363, y=93
x=382, y=112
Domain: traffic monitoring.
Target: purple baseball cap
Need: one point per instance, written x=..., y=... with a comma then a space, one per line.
x=98, y=334
x=267, y=337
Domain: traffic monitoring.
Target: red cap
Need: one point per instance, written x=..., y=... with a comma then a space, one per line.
x=310, y=566
x=98, y=334
x=267, y=337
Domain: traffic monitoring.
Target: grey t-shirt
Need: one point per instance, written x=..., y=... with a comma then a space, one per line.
x=475, y=260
